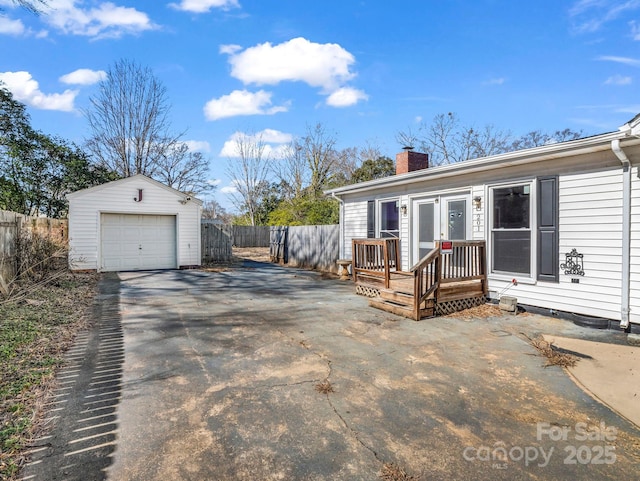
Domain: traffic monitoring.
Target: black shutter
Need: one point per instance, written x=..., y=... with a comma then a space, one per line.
x=371, y=219
x=548, y=241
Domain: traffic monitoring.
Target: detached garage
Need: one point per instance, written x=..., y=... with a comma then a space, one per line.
x=133, y=224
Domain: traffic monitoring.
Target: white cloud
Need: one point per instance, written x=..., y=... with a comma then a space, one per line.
x=275, y=143
x=618, y=80
x=629, y=109
x=635, y=30
x=229, y=189
x=346, y=96
x=272, y=136
x=198, y=145
x=229, y=49
x=214, y=182
x=241, y=102
x=325, y=66
x=495, y=81
x=589, y=16
x=106, y=20
x=203, y=6
x=11, y=27
x=418, y=119
x=319, y=65
x=84, y=76
x=26, y=89
x=623, y=60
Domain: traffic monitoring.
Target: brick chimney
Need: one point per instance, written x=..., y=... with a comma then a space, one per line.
x=409, y=161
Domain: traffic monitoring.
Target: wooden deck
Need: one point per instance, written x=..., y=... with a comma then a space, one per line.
x=439, y=284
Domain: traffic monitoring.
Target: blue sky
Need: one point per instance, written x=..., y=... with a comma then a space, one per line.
x=365, y=69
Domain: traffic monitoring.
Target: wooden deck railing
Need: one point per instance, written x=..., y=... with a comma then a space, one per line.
x=375, y=258
x=426, y=279
x=466, y=262
x=378, y=259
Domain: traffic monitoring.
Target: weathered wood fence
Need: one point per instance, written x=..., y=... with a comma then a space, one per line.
x=217, y=242
x=11, y=226
x=309, y=246
x=251, y=236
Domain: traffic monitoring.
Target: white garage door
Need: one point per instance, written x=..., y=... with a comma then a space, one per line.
x=137, y=242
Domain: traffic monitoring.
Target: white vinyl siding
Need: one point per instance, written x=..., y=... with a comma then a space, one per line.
x=355, y=223
x=590, y=214
x=635, y=248
x=87, y=206
x=478, y=215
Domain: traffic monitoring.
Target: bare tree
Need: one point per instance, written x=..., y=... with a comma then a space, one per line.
x=292, y=171
x=249, y=170
x=211, y=209
x=537, y=138
x=318, y=149
x=352, y=158
x=448, y=141
x=129, y=121
x=34, y=6
x=184, y=170
x=410, y=138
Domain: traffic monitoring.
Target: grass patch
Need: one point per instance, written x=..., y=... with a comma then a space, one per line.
x=35, y=331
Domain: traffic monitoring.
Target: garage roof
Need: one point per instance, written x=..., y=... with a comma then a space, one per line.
x=134, y=178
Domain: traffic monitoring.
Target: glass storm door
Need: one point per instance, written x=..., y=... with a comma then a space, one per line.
x=454, y=225
x=438, y=218
x=426, y=227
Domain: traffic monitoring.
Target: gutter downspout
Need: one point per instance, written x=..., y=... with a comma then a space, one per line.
x=626, y=233
x=341, y=220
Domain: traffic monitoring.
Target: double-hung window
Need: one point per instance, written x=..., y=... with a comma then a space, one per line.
x=511, y=229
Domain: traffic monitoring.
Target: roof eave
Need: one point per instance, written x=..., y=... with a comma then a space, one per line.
x=536, y=154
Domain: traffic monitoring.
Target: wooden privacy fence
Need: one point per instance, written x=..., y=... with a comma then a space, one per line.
x=310, y=246
x=217, y=241
x=251, y=236
x=12, y=224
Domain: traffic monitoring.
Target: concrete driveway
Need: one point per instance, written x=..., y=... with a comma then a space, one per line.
x=220, y=382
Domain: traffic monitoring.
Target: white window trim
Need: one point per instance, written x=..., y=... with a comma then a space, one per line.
x=379, y=203
x=533, y=227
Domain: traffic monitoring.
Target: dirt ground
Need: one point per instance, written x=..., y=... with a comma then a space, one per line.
x=257, y=254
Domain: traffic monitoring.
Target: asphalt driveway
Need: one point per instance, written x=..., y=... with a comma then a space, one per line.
x=220, y=373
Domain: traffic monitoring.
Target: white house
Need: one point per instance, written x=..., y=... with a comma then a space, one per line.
x=563, y=220
x=134, y=223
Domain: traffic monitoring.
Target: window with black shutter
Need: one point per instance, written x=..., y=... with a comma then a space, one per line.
x=548, y=219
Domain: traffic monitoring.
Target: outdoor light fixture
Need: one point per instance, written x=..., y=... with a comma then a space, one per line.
x=403, y=208
x=477, y=202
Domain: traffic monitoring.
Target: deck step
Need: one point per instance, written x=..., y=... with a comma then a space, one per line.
x=399, y=309
x=404, y=298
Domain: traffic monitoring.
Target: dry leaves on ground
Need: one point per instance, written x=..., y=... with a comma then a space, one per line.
x=393, y=472
x=554, y=357
x=324, y=387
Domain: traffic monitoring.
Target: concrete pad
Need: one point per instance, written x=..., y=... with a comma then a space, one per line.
x=633, y=339
x=609, y=372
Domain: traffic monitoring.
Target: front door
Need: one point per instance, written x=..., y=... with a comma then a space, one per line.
x=436, y=218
